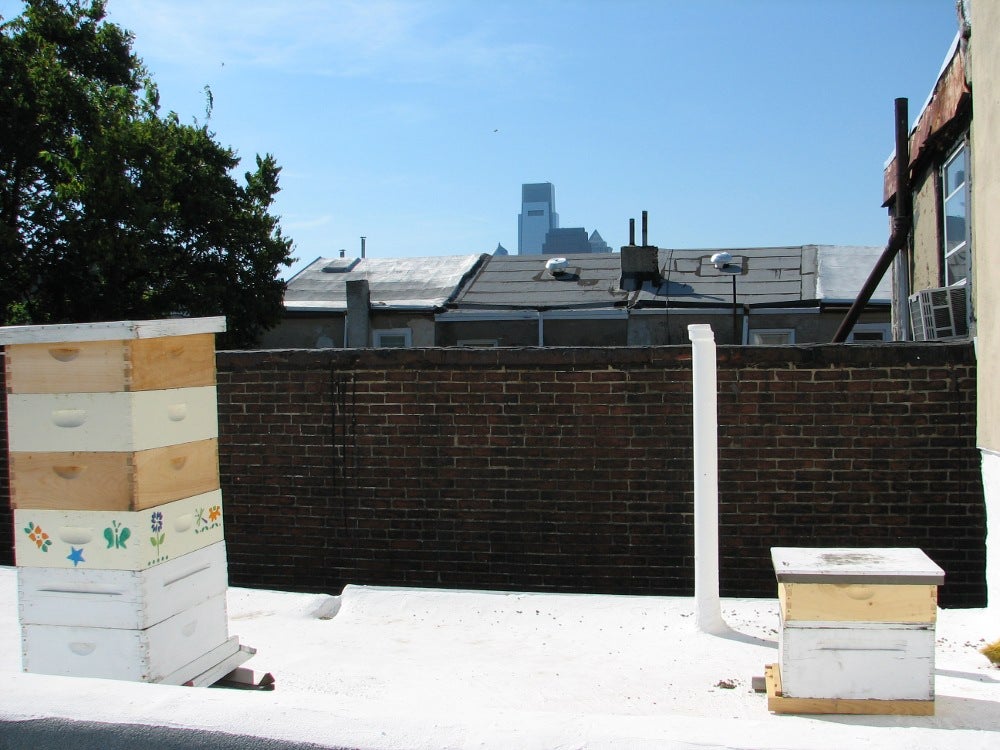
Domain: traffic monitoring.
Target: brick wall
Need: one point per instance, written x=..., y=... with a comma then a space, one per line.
x=570, y=469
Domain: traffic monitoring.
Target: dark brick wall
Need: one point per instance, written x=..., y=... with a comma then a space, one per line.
x=571, y=469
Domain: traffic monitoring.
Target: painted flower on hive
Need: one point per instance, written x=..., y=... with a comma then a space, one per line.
x=39, y=537
x=156, y=524
x=214, y=512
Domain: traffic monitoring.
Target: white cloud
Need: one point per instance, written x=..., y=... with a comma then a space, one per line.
x=387, y=39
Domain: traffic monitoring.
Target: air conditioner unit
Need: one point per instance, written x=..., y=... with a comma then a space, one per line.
x=939, y=313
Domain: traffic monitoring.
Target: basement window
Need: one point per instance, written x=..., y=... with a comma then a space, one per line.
x=772, y=336
x=479, y=342
x=392, y=338
x=864, y=332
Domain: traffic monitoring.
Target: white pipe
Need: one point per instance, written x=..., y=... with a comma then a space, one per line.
x=706, y=481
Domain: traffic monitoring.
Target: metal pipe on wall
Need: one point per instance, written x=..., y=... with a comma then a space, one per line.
x=901, y=223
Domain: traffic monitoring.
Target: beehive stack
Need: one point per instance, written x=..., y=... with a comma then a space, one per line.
x=113, y=440
x=857, y=631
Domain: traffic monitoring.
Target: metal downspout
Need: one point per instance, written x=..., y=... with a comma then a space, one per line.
x=901, y=224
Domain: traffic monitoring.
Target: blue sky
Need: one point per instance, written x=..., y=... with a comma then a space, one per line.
x=733, y=122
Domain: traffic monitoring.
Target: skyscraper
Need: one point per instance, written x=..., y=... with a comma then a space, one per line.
x=538, y=215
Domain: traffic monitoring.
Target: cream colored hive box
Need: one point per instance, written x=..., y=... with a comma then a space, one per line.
x=857, y=628
x=117, y=540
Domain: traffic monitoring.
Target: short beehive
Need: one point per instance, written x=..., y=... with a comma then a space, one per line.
x=857, y=628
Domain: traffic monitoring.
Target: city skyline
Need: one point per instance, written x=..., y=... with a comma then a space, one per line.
x=414, y=123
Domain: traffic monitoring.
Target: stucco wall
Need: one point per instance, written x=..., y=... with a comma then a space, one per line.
x=986, y=253
x=926, y=265
x=985, y=217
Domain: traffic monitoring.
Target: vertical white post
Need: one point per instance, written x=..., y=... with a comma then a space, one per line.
x=706, y=481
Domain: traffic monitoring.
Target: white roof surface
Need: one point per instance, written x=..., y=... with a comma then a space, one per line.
x=400, y=283
x=418, y=668
x=843, y=270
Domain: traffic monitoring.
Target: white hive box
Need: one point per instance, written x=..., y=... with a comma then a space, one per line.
x=857, y=624
x=122, y=599
x=148, y=655
x=117, y=540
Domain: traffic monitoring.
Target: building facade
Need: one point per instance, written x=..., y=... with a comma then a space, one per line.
x=538, y=216
x=947, y=285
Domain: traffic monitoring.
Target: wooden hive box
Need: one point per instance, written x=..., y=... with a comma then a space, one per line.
x=857, y=624
x=114, y=480
x=111, y=357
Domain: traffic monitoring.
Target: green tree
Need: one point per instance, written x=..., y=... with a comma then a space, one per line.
x=110, y=210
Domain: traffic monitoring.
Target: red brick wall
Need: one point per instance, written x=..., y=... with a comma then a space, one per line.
x=570, y=469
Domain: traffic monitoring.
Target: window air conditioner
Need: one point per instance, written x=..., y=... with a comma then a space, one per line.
x=939, y=313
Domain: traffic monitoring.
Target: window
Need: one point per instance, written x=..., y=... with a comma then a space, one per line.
x=536, y=212
x=955, y=186
x=478, y=342
x=772, y=336
x=392, y=338
x=870, y=332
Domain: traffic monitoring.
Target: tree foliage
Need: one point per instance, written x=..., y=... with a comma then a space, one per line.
x=110, y=210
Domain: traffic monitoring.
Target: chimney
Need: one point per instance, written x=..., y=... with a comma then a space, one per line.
x=357, y=326
x=640, y=263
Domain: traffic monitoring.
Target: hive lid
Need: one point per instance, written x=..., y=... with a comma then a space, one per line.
x=893, y=565
x=112, y=331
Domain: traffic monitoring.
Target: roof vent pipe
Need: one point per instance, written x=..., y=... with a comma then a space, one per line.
x=631, y=231
x=556, y=266
x=706, y=481
x=645, y=228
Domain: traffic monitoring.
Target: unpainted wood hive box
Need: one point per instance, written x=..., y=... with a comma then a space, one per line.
x=857, y=624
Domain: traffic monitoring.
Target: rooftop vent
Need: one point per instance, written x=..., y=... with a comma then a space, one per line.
x=340, y=265
x=556, y=266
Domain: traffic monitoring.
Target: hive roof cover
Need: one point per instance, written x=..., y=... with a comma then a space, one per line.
x=889, y=565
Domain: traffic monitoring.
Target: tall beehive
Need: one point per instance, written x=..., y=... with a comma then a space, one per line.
x=857, y=630
x=117, y=506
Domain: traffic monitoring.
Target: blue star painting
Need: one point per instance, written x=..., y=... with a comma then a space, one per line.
x=76, y=555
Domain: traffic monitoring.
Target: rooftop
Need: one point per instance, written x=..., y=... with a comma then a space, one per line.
x=419, y=668
x=767, y=276
x=394, y=283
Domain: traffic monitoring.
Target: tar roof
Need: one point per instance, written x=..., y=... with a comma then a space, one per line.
x=766, y=276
